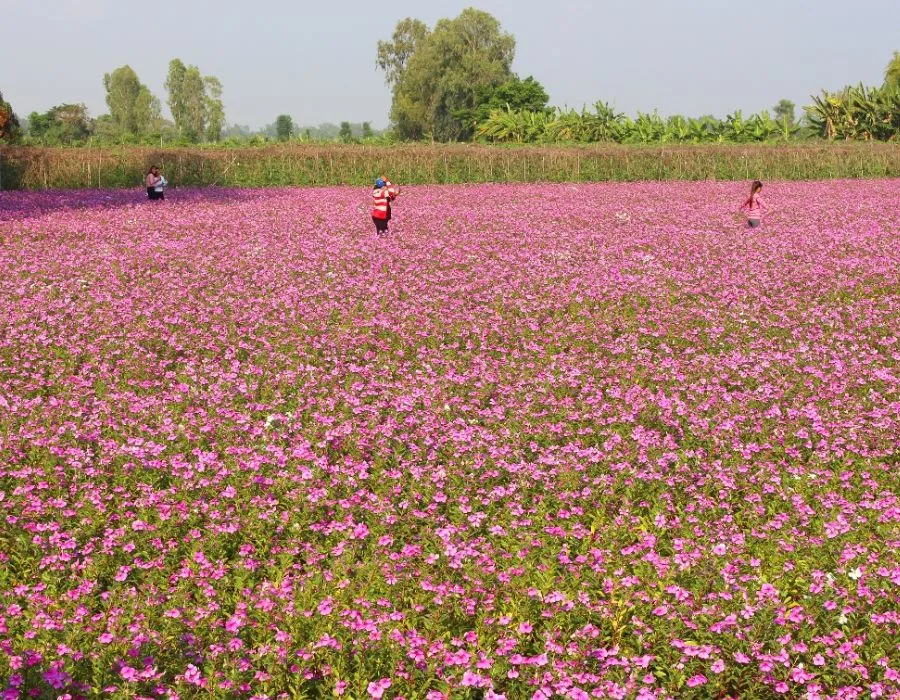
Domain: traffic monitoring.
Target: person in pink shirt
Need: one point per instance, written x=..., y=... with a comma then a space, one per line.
x=754, y=205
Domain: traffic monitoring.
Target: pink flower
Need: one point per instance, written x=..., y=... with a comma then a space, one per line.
x=547, y=398
x=376, y=688
x=55, y=677
x=192, y=675
x=472, y=680
x=696, y=680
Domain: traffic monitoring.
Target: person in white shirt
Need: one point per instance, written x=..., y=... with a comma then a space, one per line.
x=156, y=184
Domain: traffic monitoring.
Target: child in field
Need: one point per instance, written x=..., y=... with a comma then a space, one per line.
x=156, y=184
x=382, y=195
x=754, y=205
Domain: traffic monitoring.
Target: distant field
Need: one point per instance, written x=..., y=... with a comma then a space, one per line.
x=602, y=441
x=40, y=168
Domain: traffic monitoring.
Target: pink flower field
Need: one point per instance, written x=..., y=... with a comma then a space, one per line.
x=542, y=441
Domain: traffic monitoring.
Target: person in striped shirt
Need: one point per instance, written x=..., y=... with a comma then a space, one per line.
x=382, y=195
x=754, y=205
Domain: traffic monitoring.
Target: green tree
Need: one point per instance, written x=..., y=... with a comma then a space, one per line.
x=437, y=75
x=284, y=127
x=784, y=112
x=132, y=106
x=367, y=132
x=892, y=72
x=175, y=88
x=394, y=55
x=61, y=125
x=195, y=102
x=194, y=122
x=346, y=132
x=10, y=128
x=214, y=110
x=515, y=95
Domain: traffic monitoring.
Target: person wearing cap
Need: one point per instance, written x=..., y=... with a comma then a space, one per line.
x=382, y=195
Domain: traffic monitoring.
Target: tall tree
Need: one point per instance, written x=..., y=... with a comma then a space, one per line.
x=195, y=102
x=436, y=75
x=9, y=122
x=175, y=88
x=346, y=132
x=194, y=120
x=132, y=106
x=367, y=132
x=784, y=110
x=214, y=109
x=284, y=127
x=892, y=72
x=393, y=56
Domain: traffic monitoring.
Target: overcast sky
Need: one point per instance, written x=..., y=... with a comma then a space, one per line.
x=315, y=60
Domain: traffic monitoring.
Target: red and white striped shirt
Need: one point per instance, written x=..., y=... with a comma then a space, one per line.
x=381, y=200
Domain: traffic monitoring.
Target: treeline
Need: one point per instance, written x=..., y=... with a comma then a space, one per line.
x=135, y=118
x=455, y=83
x=855, y=113
x=135, y=113
x=285, y=129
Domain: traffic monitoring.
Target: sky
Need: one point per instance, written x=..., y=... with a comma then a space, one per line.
x=316, y=60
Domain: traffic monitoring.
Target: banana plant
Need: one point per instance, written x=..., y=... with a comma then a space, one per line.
x=647, y=128
x=736, y=128
x=763, y=127
x=701, y=130
x=677, y=129
x=787, y=129
x=604, y=123
x=828, y=115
